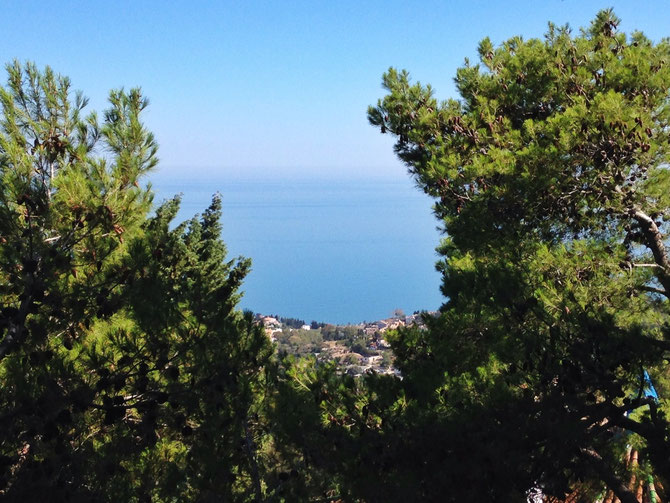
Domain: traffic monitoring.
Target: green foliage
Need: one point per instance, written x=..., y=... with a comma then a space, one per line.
x=333, y=432
x=299, y=342
x=550, y=179
x=126, y=372
x=290, y=322
x=345, y=333
x=359, y=345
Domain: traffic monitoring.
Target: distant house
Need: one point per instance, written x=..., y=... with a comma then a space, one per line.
x=270, y=322
x=306, y=327
x=393, y=324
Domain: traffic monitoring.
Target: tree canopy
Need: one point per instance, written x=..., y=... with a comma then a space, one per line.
x=550, y=176
x=127, y=373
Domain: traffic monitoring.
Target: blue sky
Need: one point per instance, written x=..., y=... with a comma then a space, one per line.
x=258, y=88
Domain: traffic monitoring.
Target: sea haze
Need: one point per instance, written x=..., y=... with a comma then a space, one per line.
x=331, y=250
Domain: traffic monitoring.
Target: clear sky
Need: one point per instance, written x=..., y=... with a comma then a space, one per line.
x=277, y=87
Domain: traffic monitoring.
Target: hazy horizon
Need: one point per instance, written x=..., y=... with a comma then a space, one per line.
x=339, y=250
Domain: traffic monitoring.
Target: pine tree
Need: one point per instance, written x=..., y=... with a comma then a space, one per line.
x=550, y=178
x=126, y=371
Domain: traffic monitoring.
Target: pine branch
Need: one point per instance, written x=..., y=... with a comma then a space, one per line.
x=607, y=475
x=654, y=241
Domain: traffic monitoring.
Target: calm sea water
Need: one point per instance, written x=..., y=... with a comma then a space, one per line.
x=337, y=251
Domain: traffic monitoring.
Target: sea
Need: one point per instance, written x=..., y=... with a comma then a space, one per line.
x=333, y=250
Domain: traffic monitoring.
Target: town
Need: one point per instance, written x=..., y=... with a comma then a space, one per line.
x=356, y=349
